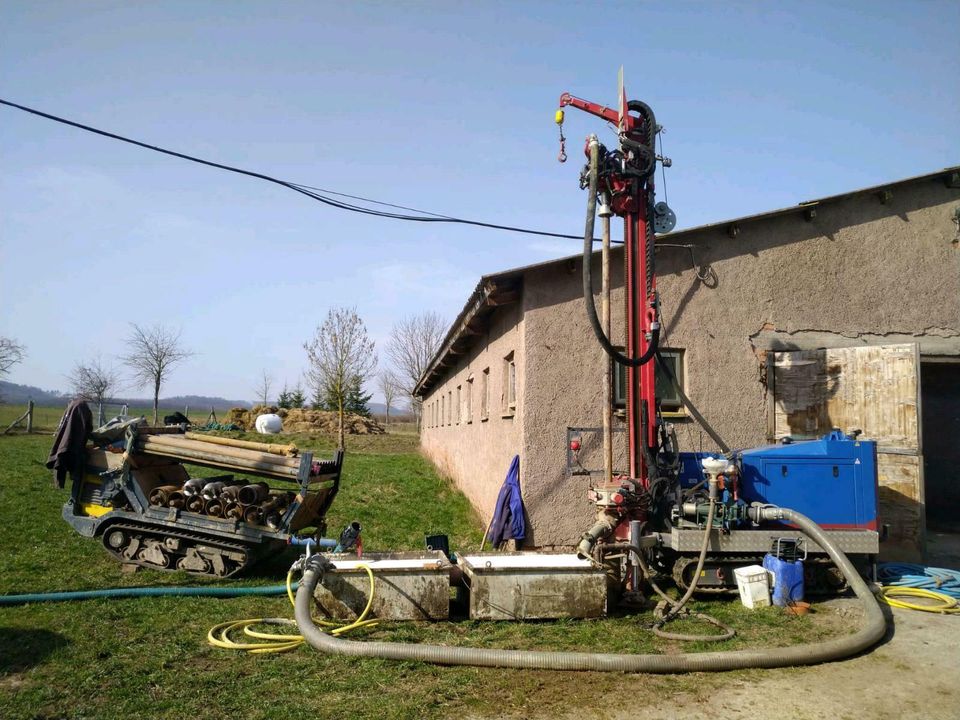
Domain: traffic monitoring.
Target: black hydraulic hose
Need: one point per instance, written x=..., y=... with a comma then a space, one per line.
x=588, y=277
x=728, y=632
x=668, y=373
x=871, y=632
x=652, y=464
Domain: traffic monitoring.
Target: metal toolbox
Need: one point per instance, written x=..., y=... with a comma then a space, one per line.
x=533, y=586
x=408, y=586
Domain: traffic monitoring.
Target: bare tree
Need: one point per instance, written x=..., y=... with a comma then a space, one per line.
x=11, y=353
x=93, y=381
x=389, y=387
x=340, y=355
x=153, y=352
x=264, y=383
x=413, y=343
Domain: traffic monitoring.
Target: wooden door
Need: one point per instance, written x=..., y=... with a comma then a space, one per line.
x=875, y=389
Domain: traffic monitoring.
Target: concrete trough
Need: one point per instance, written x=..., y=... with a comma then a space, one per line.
x=533, y=586
x=408, y=586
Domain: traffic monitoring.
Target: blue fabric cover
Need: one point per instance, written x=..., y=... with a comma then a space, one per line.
x=508, y=521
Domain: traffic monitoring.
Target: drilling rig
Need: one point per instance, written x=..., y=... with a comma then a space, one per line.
x=683, y=514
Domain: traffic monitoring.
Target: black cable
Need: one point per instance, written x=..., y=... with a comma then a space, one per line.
x=668, y=373
x=302, y=189
x=370, y=200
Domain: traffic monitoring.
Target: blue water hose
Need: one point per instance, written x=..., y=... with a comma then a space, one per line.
x=138, y=592
x=940, y=580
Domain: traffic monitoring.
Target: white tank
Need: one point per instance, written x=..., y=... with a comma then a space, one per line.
x=268, y=424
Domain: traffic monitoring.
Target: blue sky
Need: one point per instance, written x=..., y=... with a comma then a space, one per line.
x=443, y=106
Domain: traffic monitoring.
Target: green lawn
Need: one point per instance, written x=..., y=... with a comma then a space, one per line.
x=149, y=657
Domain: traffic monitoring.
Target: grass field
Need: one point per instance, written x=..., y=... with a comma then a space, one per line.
x=149, y=657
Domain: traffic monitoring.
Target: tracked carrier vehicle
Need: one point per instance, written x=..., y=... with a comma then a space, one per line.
x=136, y=494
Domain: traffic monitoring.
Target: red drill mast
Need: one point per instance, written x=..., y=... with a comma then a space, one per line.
x=626, y=180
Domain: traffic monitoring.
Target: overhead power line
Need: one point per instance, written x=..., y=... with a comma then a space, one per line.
x=315, y=193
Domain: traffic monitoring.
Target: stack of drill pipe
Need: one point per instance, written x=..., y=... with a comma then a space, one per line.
x=161, y=495
x=254, y=493
x=180, y=498
x=228, y=457
x=257, y=514
x=271, y=448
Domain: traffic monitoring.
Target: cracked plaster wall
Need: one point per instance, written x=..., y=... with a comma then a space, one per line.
x=859, y=272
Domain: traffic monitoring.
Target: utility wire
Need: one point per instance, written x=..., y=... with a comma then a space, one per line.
x=369, y=200
x=315, y=193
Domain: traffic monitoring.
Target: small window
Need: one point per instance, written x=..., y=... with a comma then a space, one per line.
x=459, y=401
x=469, y=399
x=443, y=407
x=508, y=397
x=485, y=394
x=670, y=404
x=449, y=407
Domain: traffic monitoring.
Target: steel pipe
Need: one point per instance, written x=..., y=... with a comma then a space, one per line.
x=160, y=496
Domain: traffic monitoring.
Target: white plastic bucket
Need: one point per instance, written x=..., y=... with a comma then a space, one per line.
x=753, y=582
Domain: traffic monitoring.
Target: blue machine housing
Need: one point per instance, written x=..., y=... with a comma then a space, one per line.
x=832, y=480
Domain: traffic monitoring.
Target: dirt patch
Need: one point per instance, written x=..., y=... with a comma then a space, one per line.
x=298, y=420
x=12, y=682
x=913, y=674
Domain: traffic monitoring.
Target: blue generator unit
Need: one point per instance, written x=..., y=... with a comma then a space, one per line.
x=831, y=480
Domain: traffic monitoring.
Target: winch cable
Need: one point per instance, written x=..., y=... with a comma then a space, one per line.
x=219, y=635
x=871, y=631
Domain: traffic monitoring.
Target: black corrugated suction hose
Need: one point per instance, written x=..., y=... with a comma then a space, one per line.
x=872, y=631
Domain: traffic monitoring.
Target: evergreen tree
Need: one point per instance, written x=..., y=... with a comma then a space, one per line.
x=297, y=397
x=284, y=399
x=356, y=400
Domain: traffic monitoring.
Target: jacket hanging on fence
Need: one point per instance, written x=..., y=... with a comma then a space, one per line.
x=508, y=521
x=69, y=443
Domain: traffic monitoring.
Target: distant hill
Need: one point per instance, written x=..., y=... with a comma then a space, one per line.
x=14, y=394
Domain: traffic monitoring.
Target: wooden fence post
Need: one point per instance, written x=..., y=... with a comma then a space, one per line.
x=30, y=416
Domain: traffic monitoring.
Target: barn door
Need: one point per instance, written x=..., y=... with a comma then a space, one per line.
x=875, y=389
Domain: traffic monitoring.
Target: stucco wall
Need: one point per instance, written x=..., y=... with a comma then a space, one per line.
x=859, y=271
x=477, y=454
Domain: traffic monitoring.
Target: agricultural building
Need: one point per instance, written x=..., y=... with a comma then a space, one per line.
x=838, y=312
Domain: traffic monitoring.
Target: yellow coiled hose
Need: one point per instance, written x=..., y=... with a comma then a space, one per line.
x=942, y=603
x=219, y=635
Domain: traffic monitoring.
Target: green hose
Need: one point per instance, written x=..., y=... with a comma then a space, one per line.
x=172, y=591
